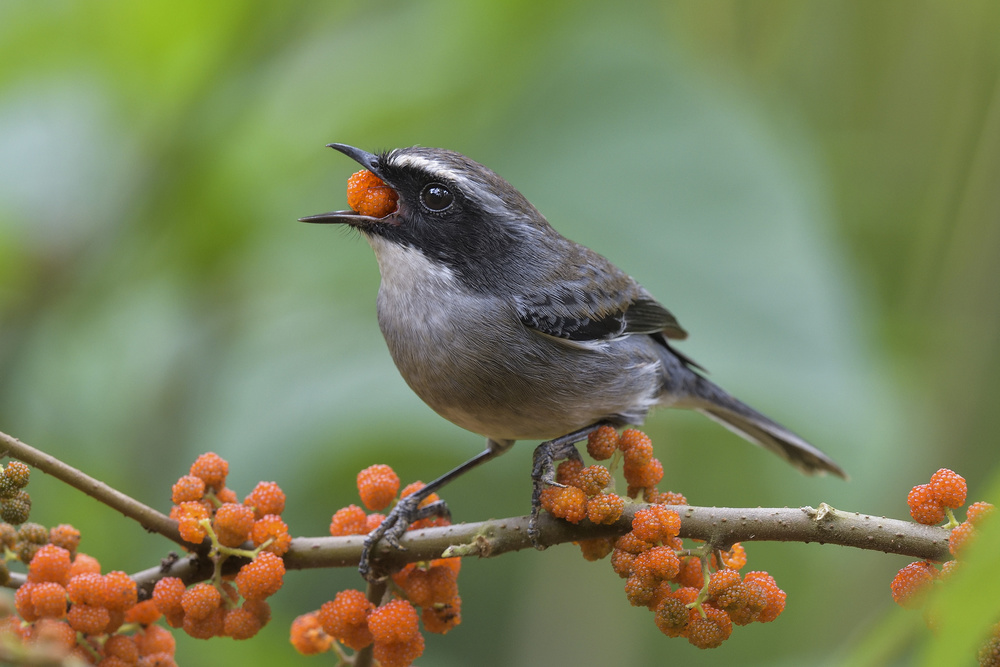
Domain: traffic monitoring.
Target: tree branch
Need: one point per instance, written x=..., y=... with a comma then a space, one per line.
x=720, y=526
x=146, y=516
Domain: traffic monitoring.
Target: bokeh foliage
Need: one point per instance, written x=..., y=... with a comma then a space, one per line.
x=811, y=187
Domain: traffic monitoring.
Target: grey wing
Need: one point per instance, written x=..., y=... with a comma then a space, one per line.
x=592, y=300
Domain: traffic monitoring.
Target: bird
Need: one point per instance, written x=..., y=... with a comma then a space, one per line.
x=514, y=332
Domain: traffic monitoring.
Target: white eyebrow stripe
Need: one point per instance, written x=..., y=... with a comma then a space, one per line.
x=488, y=200
x=426, y=164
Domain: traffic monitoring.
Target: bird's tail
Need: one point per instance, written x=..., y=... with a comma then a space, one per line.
x=714, y=402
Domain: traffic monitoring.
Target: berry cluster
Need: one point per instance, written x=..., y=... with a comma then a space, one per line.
x=68, y=609
x=205, y=508
x=693, y=594
x=369, y=195
x=931, y=504
x=391, y=629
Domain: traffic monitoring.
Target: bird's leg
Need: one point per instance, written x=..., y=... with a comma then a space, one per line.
x=543, y=471
x=408, y=510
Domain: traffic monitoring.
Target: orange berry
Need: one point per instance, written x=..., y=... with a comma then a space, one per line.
x=924, y=506
x=369, y=195
x=189, y=516
x=212, y=469
x=661, y=562
x=259, y=608
x=345, y=618
x=443, y=616
x=977, y=512
x=596, y=548
x=656, y=523
x=200, y=601
x=631, y=543
x=672, y=616
x=395, y=621
x=54, y=633
x=49, y=599
x=350, y=520
x=167, y=595
x=378, y=486
x=593, y=479
x=22, y=602
x=261, y=577
x=122, y=646
x=373, y=521
x=621, y=562
x=735, y=558
x=568, y=471
x=664, y=497
x=271, y=527
x=187, y=489
x=775, y=596
x=84, y=563
x=637, y=447
x=155, y=639
x=399, y=654
x=233, y=523
x=961, y=536
x=65, y=536
x=50, y=563
x=989, y=652
x=722, y=580
x=605, y=508
x=640, y=587
x=911, y=584
x=157, y=660
x=120, y=591
x=415, y=583
x=266, y=498
x=602, y=443
x=212, y=625
x=568, y=503
x=87, y=588
x=691, y=573
x=710, y=631
x=642, y=476
x=308, y=637
x=88, y=619
x=743, y=602
x=226, y=495
x=949, y=488
x=144, y=613
x=240, y=624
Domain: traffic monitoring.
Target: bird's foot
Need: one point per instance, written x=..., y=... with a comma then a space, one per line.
x=543, y=471
x=395, y=524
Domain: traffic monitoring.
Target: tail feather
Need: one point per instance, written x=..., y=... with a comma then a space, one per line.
x=715, y=403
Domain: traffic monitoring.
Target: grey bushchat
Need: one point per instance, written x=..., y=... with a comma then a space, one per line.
x=512, y=331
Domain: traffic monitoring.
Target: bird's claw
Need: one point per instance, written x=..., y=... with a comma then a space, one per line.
x=543, y=474
x=393, y=526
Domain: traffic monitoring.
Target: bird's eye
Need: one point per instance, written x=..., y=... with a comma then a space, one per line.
x=436, y=197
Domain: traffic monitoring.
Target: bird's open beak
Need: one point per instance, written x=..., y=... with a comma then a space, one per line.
x=367, y=160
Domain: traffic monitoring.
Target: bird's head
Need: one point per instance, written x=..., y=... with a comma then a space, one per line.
x=453, y=210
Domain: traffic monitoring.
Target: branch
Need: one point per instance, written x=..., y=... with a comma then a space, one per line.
x=719, y=526
x=146, y=516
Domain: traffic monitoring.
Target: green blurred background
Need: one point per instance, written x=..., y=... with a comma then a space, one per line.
x=812, y=188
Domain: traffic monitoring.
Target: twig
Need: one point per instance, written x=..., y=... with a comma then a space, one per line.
x=146, y=516
x=718, y=525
